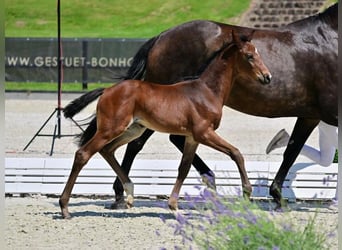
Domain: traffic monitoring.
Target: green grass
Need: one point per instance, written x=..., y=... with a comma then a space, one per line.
x=107, y=19
x=112, y=18
x=48, y=87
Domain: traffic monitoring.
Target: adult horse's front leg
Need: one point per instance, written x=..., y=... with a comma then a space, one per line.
x=189, y=151
x=133, y=148
x=300, y=134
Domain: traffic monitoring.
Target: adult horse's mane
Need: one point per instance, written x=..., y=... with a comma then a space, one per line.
x=137, y=69
x=329, y=16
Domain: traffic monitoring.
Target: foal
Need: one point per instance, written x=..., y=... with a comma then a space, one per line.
x=191, y=108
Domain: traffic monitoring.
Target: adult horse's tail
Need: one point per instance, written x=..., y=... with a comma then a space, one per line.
x=137, y=69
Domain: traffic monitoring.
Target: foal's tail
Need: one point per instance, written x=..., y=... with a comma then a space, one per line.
x=135, y=71
x=80, y=103
x=88, y=133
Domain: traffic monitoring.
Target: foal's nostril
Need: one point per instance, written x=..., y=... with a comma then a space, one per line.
x=268, y=78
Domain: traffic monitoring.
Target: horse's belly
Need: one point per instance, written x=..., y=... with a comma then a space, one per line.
x=169, y=127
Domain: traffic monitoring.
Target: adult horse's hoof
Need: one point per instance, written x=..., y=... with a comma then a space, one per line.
x=281, y=208
x=119, y=204
x=209, y=180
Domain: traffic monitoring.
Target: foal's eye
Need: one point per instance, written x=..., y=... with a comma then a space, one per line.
x=249, y=57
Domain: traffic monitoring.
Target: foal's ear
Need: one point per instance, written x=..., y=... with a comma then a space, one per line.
x=240, y=39
x=236, y=39
x=247, y=37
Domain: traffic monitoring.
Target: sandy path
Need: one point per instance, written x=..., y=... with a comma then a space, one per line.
x=35, y=223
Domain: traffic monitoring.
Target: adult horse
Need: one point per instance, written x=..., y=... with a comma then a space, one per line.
x=302, y=57
x=125, y=110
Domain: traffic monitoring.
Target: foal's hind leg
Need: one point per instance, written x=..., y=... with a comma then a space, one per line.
x=212, y=139
x=82, y=156
x=133, y=148
x=108, y=153
x=189, y=151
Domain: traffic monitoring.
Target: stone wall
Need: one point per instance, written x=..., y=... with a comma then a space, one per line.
x=276, y=13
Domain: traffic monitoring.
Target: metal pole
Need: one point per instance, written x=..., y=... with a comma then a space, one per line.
x=59, y=68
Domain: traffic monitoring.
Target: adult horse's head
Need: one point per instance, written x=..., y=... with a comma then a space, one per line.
x=250, y=59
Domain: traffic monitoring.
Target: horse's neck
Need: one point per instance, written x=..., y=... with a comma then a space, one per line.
x=218, y=76
x=329, y=17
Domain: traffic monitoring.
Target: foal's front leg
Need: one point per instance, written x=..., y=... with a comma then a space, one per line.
x=212, y=139
x=189, y=152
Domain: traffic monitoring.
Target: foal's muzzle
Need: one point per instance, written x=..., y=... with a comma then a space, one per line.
x=265, y=78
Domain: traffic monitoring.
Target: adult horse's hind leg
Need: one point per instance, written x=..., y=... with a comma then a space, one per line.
x=300, y=134
x=212, y=139
x=190, y=147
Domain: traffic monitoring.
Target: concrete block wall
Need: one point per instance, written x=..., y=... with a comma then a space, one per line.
x=276, y=13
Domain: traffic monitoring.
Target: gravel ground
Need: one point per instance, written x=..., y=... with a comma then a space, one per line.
x=35, y=222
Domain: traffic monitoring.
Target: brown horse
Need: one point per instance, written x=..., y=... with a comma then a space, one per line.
x=190, y=108
x=302, y=57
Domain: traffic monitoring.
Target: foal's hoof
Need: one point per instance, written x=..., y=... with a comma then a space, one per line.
x=66, y=215
x=173, y=204
x=173, y=207
x=130, y=201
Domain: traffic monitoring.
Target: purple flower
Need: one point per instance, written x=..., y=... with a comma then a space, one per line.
x=162, y=217
x=181, y=219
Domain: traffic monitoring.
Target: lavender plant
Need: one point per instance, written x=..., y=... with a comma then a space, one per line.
x=217, y=222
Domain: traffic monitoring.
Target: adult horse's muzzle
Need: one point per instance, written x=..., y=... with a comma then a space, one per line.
x=265, y=78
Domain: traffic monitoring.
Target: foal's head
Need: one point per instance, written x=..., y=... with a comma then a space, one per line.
x=249, y=63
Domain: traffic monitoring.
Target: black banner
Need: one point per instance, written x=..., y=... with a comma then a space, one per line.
x=83, y=60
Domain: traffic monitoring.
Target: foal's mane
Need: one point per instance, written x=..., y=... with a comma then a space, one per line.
x=243, y=38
